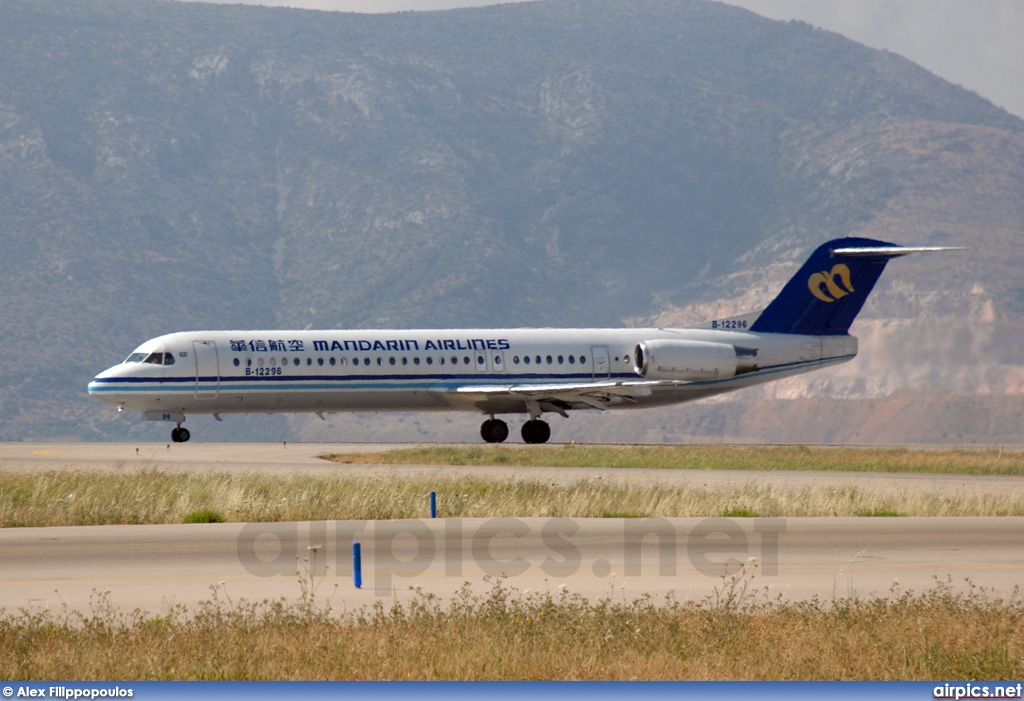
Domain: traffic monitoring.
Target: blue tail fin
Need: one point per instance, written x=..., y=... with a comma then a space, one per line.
x=827, y=293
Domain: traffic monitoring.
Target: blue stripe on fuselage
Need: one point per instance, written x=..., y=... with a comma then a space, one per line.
x=393, y=382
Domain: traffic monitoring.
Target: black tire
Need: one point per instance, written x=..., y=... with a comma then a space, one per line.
x=183, y=435
x=494, y=431
x=536, y=431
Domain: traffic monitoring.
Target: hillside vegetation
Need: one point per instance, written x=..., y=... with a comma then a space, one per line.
x=168, y=166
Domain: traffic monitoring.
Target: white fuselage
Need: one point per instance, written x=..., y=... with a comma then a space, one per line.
x=505, y=371
x=215, y=372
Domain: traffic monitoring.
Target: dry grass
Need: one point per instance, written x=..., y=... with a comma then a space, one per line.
x=737, y=632
x=72, y=498
x=69, y=498
x=709, y=457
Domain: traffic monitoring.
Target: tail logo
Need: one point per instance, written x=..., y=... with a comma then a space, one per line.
x=831, y=285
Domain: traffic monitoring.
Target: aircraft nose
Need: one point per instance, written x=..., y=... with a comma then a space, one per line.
x=100, y=387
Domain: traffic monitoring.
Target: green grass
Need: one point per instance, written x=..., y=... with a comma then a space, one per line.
x=205, y=516
x=879, y=511
x=704, y=457
x=739, y=512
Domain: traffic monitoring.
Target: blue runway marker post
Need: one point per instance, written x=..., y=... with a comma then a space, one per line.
x=357, y=565
x=433, y=505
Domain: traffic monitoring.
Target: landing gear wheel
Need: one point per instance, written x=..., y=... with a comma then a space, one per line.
x=180, y=435
x=536, y=431
x=494, y=431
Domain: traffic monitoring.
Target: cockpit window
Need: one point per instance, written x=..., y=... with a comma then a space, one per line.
x=160, y=358
x=151, y=358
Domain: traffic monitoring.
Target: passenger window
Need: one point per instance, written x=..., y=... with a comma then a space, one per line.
x=333, y=361
x=319, y=361
x=430, y=360
x=583, y=359
x=526, y=359
x=538, y=360
x=416, y=360
x=572, y=360
x=515, y=359
x=550, y=360
x=237, y=362
x=561, y=360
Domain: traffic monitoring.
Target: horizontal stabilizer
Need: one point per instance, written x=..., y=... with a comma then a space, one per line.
x=890, y=251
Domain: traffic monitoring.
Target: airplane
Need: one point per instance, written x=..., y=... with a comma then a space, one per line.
x=504, y=371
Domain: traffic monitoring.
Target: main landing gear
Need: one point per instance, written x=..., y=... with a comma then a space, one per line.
x=534, y=431
x=180, y=435
x=494, y=431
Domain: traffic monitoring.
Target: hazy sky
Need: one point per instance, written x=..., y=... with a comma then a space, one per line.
x=978, y=44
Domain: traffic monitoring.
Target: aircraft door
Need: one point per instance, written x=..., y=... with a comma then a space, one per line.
x=497, y=361
x=492, y=361
x=601, y=367
x=207, y=369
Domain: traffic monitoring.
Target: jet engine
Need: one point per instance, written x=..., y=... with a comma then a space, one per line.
x=685, y=361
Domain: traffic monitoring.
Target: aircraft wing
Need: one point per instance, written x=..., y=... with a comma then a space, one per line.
x=594, y=394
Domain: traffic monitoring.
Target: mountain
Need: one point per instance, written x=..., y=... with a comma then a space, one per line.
x=168, y=166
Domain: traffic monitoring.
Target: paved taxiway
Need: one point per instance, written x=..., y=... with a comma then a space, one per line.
x=155, y=567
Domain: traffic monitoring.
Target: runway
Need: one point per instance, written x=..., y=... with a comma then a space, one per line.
x=156, y=567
